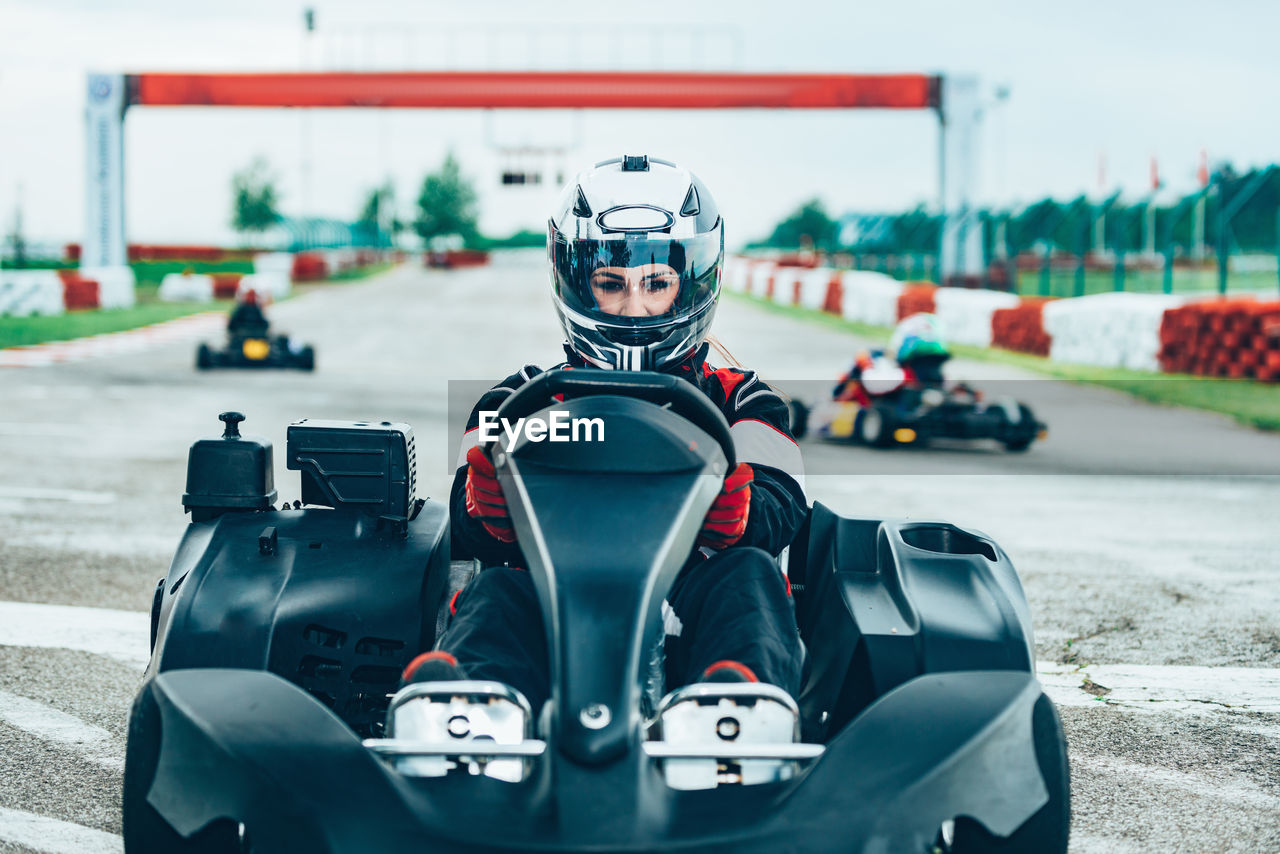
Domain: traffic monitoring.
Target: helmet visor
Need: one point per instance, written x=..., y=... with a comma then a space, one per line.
x=637, y=281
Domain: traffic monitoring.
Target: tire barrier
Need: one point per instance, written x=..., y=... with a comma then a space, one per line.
x=1235, y=338
x=1115, y=330
x=1148, y=332
x=1021, y=328
x=309, y=267
x=917, y=298
x=186, y=287
x=268, y=286
x=966, y=314
x=452, y=259
x=867, y=297
x=225, y=285
x=28, y=292
x=80, y=294
x=115, y=285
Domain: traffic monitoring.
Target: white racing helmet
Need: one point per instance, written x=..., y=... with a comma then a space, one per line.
x=635, y=246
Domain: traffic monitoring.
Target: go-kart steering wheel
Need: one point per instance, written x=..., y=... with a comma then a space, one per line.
x=680, y=396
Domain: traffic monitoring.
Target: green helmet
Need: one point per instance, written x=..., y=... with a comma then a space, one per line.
x=917, y=336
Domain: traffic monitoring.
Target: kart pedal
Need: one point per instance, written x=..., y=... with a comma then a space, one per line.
x=478, y=727
x=729, y=733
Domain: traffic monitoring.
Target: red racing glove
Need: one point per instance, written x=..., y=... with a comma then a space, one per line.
x=485, y=501
x=726, y=521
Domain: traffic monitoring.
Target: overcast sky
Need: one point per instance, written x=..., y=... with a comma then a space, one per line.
x=1124, y=81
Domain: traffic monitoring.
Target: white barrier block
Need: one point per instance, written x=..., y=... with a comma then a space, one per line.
x=1120, y=330
x=116, y=285
x=273, y=262
x=274, y=285
x=27, y=292
x=186, y=287
x=759, y=277
x=784, y=284
x=965, y=314
x=813, y=287
x=737, y=273
x=870, y=297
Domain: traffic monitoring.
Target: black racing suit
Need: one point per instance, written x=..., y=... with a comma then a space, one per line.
x=730, y=605
x=248, y=320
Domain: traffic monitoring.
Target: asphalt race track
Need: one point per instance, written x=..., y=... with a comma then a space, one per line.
x=1145, y=537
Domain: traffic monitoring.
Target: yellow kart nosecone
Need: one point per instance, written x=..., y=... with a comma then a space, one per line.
x=256, y=349
x=841, y=426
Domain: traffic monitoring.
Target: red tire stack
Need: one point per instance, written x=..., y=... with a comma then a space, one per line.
x=225, y=285
x=1021, y=328
x=916, y=297
x=309, y=267
x=1223, y=338
x=834, y=303
x=79, y=294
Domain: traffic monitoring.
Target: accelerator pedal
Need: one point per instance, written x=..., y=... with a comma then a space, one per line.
x=714, y=734
x=463, y=726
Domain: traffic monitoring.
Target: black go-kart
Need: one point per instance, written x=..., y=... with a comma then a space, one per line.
x=270, y=720
x=256, y=348
x=915, y=414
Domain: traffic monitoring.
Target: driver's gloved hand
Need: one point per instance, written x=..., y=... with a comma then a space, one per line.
x=726, y=521
x=485, y=501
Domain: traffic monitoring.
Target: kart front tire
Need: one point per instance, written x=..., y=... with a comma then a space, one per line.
x=873, y=428
x=144, y=829
x=799, y=419
x=1049, y=829
x=204, y=358
x=307, y=358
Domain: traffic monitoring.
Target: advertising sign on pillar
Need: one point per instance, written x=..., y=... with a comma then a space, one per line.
x=961, y=250
x=104, y=240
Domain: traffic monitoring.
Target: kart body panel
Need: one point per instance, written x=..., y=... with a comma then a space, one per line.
x=278, y=635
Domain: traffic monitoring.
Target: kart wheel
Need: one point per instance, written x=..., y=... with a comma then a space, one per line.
x=204, y=358
x=307, y=358
x=1017, y=446
x=799, y=418
x=144, y=830
x=873, y=428
x=1023, y=440
x=1047, y=831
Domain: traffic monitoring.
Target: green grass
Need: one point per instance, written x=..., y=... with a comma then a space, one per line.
x=1250, y=402
x=25, y=331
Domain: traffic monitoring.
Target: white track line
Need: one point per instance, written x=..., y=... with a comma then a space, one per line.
x=93, y=742
x=53, y=836
x=1164, y=688
x=74, y=496
x=119, y=635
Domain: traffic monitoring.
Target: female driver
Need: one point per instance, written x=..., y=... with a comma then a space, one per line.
x=635, y=249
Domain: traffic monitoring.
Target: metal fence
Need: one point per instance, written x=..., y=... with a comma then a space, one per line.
x=1223, y=237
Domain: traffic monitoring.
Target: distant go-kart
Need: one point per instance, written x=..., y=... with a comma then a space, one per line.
x=257, y=348
x=883, y=410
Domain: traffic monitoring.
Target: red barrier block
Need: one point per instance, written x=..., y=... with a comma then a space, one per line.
x=81, y=294
x=916, y=298
x=834, y=301
x=1021, y=328
x=225, y=285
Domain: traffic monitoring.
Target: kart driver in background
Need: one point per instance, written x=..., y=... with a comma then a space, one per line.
x=247, y=317
x=918, y=353
x=636, y=248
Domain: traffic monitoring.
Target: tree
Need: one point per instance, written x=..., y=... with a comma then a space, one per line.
x=377, y=218
x=807, y=224
x=447, y=204
x=254, y=198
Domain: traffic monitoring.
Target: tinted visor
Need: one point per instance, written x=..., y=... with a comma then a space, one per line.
x=637, y=281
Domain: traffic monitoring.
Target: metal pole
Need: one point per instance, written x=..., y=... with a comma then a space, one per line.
x=1222, y=243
